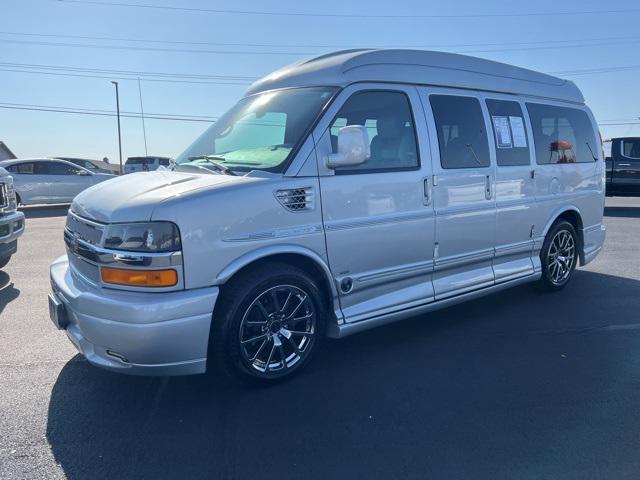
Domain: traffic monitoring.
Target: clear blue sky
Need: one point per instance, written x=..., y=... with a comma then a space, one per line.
x=596, y=41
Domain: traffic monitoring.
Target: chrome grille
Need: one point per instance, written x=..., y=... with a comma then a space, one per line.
x=85, y=269
x=4, y=195
x=85, y=230
x=296, y=199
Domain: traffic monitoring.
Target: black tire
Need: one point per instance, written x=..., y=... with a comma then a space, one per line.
x=4, y=261
x=556, y=277
x=242, y=313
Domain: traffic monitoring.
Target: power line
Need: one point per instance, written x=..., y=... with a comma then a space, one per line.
x=349, y=15
x=155, y=49
x=121, y=78
x=160, y=116
x=300, y=54
x=289, y=45
x=106, y=113
x=133, y=73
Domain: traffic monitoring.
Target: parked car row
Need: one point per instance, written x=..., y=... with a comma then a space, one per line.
x=341, y=193
x=47, y=180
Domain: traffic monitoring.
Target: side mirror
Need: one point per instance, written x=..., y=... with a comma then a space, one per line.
x=84, y=173
x=353, y=147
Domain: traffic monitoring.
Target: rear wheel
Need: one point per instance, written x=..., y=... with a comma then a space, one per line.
x=270, y=323
x=4, y=261
x=558, y=256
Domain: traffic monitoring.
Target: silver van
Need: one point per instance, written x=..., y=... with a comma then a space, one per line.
x=341, y=193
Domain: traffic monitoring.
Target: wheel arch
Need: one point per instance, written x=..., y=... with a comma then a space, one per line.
x=571, y=214
x=301, y=257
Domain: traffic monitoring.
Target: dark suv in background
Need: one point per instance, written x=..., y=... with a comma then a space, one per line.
x=623, y=167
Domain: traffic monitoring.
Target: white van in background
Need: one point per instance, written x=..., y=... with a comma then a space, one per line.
x=146, y=164
x=341, y=193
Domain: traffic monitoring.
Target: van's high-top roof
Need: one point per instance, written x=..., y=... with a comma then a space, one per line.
x=418, y=67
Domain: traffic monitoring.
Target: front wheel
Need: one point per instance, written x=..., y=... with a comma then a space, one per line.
x=269, y=324
x=558, y=256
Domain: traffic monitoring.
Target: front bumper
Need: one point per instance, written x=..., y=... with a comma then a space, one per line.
x=138, y=333
x=11, y=227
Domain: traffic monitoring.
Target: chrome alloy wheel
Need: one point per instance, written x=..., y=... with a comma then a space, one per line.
x=561, y=256
x=277, y=330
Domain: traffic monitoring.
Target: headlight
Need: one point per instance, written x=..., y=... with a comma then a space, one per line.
x=10, y=192
x=143, y=237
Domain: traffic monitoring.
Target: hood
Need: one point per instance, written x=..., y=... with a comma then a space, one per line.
x=134, y=197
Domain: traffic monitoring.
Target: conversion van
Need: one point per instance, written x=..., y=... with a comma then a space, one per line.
x=341, y=193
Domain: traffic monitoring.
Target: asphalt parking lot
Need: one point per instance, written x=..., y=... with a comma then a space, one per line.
x=518, y=385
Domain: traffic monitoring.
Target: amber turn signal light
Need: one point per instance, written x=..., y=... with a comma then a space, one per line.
x=139, y=278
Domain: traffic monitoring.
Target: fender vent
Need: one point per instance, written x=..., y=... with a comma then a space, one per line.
x=296, y=199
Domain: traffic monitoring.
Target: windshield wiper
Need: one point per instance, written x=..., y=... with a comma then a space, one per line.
x=215, y=161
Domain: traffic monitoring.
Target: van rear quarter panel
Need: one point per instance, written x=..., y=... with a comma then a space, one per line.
x=569, y=186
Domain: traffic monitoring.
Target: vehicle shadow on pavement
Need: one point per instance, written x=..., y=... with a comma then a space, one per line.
x=8, y=293
x=515, y=384
x=45, y=211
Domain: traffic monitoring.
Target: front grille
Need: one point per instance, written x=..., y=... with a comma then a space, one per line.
x=87, y=270
x=82, y=229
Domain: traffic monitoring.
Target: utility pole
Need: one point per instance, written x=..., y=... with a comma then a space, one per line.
x=119, y=135
x=144, y=131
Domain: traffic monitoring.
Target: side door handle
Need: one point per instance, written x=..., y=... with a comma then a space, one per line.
x=624, y=164
x=487, y=187
x=426, y=198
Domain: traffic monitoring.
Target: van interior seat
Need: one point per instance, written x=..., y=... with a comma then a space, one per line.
x=391, y=145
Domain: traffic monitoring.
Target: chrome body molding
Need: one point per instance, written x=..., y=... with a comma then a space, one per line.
x=340, y=331
x=279, y=233
x=378, y=220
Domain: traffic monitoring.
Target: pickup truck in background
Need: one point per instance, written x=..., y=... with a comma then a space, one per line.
x=11, y=221
x=623, y=167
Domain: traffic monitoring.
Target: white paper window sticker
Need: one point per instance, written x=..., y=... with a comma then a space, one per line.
x=503, y=132
x=517, y=129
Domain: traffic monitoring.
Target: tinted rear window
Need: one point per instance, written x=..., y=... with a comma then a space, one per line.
x=561, y=134
x=461, y=133
x=512, y=145
x=631, y=148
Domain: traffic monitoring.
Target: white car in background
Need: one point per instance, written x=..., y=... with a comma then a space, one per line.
x=45, y=180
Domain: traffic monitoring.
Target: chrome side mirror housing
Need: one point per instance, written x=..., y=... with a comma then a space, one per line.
x=353, y=147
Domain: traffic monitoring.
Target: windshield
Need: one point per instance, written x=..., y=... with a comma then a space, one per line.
x=260, y=132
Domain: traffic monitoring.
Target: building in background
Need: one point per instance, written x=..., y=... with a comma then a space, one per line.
x=6, y=153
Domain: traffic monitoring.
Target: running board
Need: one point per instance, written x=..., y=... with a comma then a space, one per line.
x=346, y=329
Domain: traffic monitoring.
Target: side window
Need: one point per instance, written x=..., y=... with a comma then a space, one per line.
x=21, y=168
x=389, y=123
x=56, y=168
x=461, y=131
x=164, y=162
x=561, y=134
x=631, y=148
x=512, y=146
